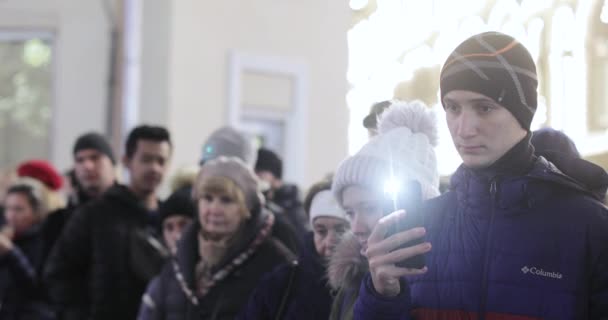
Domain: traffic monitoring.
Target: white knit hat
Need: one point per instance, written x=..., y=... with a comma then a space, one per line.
x=324, y=204
x=402, y=150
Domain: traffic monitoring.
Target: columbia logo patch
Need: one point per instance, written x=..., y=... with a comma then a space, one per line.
x=541, y=273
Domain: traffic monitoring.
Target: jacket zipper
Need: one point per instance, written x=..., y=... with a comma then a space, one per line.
x=486, y=267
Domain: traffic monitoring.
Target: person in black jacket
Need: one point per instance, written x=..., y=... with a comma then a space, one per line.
x=269, y=168
x=93, y=174
x=108, y=251
x=301, y=291
x=21, y=293
x=222, y=256
x=176, y=213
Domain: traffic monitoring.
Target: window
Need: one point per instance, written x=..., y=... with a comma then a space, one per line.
x=26, y=96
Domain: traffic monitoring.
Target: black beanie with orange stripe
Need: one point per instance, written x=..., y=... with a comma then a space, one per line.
x=497, y=66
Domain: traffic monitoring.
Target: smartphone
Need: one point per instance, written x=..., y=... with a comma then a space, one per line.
x=407, y=197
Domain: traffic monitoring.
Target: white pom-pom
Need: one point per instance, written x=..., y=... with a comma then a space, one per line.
x=414, y=115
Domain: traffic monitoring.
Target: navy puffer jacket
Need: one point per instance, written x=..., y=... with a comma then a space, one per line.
x=532, y=246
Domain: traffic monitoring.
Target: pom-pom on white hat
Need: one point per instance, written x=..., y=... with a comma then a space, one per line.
x=403, y=150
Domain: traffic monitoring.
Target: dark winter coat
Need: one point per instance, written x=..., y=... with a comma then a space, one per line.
x=104, y=258
x=173, y=295
x=526, y=246
x=56, y=221
x=293, y=291
x=21, y=293
x=287, y=197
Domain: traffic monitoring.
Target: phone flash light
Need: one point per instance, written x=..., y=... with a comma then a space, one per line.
x=391, y=188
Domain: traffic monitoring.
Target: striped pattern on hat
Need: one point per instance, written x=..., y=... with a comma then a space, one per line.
x=497, y=66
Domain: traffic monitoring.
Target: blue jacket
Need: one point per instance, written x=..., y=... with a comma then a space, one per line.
x=299, y=291
x=533, y=246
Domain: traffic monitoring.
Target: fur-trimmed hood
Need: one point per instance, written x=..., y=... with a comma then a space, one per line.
x=346, y=266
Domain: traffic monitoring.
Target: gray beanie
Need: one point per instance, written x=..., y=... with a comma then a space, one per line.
x=234, y=169
x=228, y=142
x=95, y=141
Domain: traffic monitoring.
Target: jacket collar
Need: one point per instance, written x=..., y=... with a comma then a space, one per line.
x=518, y=193
x=347, y=266
x=188, y=255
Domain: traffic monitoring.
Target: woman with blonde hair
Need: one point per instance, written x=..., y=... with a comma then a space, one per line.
x=221, y=256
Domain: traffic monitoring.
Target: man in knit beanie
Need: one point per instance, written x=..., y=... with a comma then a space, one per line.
x=109, y=249
x=94, y=164
x=514, y=237
x=94, y=172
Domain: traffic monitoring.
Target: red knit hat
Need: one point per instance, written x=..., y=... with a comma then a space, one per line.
x=42, y=171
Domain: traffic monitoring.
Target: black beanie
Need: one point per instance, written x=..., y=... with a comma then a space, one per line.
x=179, y=203
x=94, y=141
x=497, y=66
x=269, y=161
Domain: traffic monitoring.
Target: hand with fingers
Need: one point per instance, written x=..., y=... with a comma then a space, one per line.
x=6, y=243
x=384, y=251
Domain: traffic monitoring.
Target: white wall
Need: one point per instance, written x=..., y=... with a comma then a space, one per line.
x=183, y=75
x=156, y=16
x=81, y=59
x=203, y=33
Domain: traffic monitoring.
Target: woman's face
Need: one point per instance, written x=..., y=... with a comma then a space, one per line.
x=327, y=232
x=364, y=209
x=173, y=227
x=19, y=212
x=220, y=215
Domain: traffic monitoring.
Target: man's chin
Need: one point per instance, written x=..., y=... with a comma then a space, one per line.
x=472, y=162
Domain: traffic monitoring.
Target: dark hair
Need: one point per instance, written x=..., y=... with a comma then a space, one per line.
x=29, y=192
x=179, y=203
x=145, y=132
x=312, y=192
x=269, y=161
x=371, y=120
